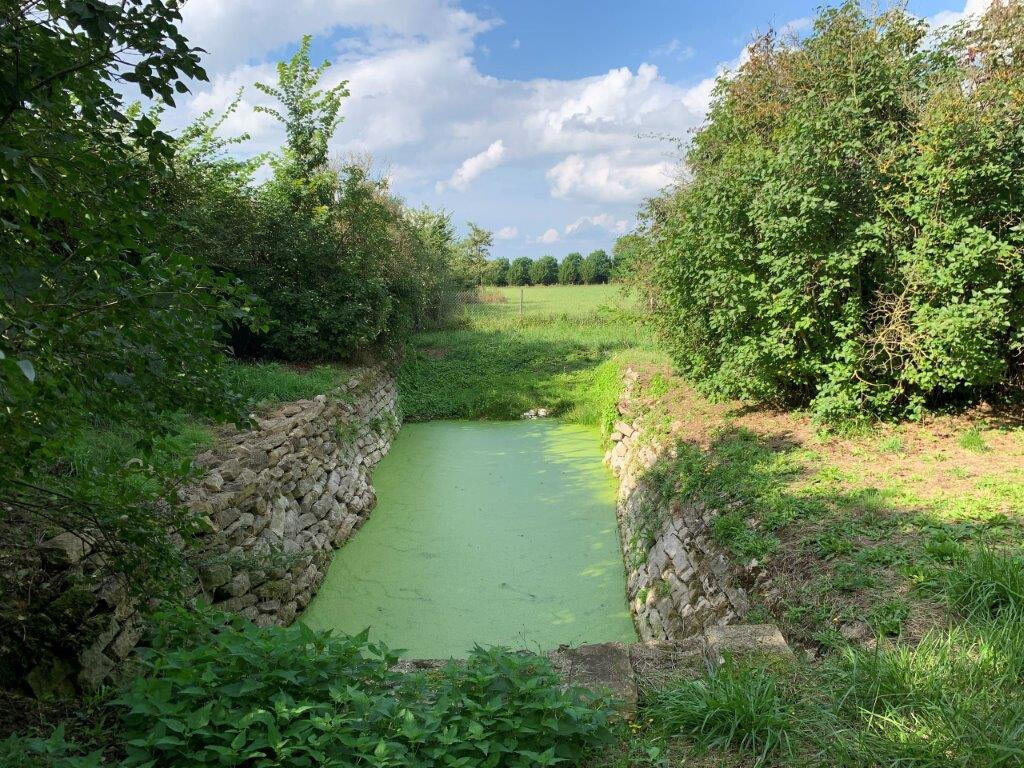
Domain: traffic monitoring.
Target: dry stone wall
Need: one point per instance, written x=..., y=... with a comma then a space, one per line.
x=276, y=501
x=679, y=582
x=279, y=499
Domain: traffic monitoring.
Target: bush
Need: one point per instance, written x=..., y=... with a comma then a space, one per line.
x=221, y=691
x=852, y=233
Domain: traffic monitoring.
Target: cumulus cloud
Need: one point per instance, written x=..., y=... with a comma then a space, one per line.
x=972, y=9
x=608, y=177
x=473, y=166
x=602, y=221
x=506, y=233
x=549, y=236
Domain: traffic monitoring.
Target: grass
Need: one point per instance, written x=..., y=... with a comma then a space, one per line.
x=563, y=352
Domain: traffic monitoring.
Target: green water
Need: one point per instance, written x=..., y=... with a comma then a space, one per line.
x=485, y=532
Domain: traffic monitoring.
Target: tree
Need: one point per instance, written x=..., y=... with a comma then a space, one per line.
x=102, y=318
x=596, y=268
x=544, y=271
x=625, y=253
x=519, y=271
x=569, y=270
x=472, y=255
x=497, y=272
x=310, y=115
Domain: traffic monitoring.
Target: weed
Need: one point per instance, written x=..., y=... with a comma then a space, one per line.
x=972, y=440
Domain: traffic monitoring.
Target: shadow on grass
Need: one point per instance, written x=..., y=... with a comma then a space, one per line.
x=492, y=374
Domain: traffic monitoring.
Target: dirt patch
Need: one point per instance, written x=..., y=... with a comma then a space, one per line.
x=434, y=353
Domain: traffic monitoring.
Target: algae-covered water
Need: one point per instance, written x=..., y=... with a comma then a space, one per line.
x=485, y=532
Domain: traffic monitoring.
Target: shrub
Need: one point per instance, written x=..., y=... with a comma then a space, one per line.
x=851, y=234
x=220, y=691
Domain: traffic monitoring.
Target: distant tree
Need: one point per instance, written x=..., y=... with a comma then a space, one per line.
x=497, y=272
x=472, y=254
x=624, y=255
x=544, y=271
x=596, y=268
x=569, y=270
x=519, y=271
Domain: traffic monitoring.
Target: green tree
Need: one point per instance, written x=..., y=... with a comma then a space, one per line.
x=519, y=271
x=472, y=254
x=544, y=271
x=102, y=318
x=569, y=269
x=851, y=234
x=625, y=253
x=596, y=268
x=310, y=115
x=497, y=272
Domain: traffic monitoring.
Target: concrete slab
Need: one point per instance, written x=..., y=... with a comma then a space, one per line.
x=599, y=667
x=745, y=638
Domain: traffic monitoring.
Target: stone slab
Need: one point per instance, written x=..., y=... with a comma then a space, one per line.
x=599, y=667
x=745, y=638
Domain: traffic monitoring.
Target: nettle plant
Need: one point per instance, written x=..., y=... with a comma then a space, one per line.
x=851, y=231
x=220, y=691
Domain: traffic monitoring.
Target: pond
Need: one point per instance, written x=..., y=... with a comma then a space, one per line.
x=485, y=532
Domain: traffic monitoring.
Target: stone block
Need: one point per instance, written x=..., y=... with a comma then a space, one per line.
x=743, y=639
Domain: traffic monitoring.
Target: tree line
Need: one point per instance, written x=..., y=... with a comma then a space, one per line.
x=476, y=268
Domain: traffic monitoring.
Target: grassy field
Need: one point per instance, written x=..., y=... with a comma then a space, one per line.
x=562, y=352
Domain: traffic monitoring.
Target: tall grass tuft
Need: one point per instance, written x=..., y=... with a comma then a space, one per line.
x=739, y=706
x=987, y=583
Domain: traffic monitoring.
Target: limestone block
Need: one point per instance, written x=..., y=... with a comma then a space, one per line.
x=66, y=548
x=745, y=638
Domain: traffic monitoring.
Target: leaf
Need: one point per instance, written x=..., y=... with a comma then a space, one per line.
x=28, y=369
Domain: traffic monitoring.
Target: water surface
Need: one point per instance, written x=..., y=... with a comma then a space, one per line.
x=485, y=532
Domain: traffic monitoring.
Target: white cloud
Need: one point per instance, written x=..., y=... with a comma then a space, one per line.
x=473, y=166
x=549, y=236
x=604, y=221
x=506, y=233
x=420, y=106
x=673, y=49
x=515, y=44
x=972, y=9
x=608, y=177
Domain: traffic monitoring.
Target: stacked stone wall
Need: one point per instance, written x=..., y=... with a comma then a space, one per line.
x=679, y=582
x=275, y=500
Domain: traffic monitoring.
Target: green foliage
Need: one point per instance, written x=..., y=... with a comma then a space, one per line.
x=471, y=257
x=103, y=319
x=496, y=365
x=596, y=268
x=221, y=691
x=972, y=440
x=569, y=269
x=497, y=272
x=519, y=271
x=267, y=383
x=986, y=583
x=544, y=271
x=310, y=115
x=851, y=235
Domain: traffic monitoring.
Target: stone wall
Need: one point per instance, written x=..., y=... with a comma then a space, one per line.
x=679, y=582
x=275, y=500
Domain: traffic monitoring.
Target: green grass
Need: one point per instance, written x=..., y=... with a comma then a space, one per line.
x=269, y=383
x=563, y=353
x=972, y=440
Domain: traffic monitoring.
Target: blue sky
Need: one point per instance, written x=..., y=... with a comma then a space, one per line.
x=536, y=120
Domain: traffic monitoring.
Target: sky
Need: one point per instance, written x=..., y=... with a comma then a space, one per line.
x=547, y=122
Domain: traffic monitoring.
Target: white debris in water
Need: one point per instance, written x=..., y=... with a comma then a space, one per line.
x=536, y=413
